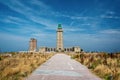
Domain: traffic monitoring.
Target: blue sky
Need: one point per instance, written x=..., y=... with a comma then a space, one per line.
x=94, y=25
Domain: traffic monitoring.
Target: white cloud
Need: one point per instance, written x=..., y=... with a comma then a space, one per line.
x=14, y=20
x=110, y=12
x=38, y=34
x=49, y=24
x=14, y=37
x=29, y=12
x=81, y=17
x=72, y=29
x=110, y=17
x=74, y=17
x=17, y=6
x=17, y=19
x=87, y=24
x=111, y=31
x=10, y=21
x=39, y=4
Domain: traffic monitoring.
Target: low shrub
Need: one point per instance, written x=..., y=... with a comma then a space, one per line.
x=18, y=66
x=102, y=64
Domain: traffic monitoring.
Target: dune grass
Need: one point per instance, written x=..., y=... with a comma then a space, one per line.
x=104, y=65
x=18, y=66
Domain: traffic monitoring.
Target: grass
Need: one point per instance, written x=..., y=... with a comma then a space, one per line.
x=104, y=65
x=20, y=65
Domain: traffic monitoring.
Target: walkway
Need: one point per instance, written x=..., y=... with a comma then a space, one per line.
x=62, y=67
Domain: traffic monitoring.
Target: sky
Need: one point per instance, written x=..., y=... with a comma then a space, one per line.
x=94, y=25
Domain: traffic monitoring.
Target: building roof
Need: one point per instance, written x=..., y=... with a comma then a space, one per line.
x=59, y=26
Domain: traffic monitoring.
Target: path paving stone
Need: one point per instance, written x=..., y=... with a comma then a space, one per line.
x=62, y=67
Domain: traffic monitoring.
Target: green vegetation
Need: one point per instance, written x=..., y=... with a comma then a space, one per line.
x=16, y=66
x=104, y=65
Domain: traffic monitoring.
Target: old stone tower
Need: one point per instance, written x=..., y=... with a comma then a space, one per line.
x=32, y=45
x=59, y=47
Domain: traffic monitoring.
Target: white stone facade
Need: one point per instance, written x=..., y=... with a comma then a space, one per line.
x=60, y=39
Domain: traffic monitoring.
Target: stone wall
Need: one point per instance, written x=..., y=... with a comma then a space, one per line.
x=73, y=49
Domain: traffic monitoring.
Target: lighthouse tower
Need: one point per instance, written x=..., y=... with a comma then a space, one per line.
x=59, y=39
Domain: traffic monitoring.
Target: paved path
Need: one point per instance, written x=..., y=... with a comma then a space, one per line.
x=62, y=67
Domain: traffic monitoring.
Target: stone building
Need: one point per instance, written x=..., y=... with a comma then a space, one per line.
x=46, y=49
x=75, y=49
x=59, y=44
x=32, y=45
